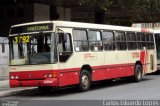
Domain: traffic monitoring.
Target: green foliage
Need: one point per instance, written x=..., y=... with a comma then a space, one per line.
x=139, y=10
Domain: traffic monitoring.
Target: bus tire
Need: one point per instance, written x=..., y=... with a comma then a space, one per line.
x=137, y=73
x=85, y=80
x=45, y=88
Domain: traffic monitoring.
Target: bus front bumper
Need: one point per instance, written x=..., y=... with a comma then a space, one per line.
x=34, y=83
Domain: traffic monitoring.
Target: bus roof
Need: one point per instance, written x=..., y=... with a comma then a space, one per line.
x=88, y=26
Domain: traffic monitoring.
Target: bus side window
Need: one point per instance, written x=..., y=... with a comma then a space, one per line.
x=95, y=40
x=80, y=40
x=141, y=40
x=120, y=40
x=65, y=47
x=131, y=41
x=108, y=40
x=150, y=41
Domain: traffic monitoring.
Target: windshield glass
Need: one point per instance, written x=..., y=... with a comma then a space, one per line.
x=33, y=49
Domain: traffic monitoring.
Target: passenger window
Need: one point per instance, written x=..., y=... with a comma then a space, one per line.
x=120, y=40
x=150, y=41
x=108, y=40
x=131, y=41
x=141, y=40
x=95, y=42
x=80, y=40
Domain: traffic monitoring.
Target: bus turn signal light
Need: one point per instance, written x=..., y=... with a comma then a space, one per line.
x=55, y=75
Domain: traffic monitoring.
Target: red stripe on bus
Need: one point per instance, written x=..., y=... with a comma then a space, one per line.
x=71, y=76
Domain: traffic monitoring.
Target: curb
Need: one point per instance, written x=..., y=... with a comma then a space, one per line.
x=4, y=84
x=17, y=92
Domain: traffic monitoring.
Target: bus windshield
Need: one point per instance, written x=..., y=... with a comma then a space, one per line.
x=33, y=49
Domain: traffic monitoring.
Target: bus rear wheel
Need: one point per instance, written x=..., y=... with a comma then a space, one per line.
x=85, y=80
x=137, y=73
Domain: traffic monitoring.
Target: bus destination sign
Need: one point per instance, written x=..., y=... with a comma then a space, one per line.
x=32, y=28
x=37, y=28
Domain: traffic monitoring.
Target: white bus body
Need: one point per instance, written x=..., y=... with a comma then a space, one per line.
x=80, y=53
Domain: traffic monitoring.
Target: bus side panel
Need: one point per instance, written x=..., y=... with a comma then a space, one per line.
x=148, y=60
x=116, y=71
x=117, y=65
x=99, y=74
x=68, y=78
x=130, y=70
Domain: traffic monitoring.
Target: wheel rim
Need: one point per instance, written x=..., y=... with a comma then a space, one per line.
x=85, y=81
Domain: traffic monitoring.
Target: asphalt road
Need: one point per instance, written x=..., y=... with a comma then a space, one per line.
x=147, y=89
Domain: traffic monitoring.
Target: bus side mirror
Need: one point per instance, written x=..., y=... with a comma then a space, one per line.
x=59, y=37
x=62, y=37
x=3, y=47
x=65, y=37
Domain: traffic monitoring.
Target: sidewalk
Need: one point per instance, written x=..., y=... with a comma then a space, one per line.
x=4, y=85
x=5, y=90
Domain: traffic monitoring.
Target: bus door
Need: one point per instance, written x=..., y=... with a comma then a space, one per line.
x=150, y=54
x=65, y=55
x=64, y=46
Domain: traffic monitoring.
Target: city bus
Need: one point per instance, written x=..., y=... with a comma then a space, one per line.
x=54, y=54
x=157, y=40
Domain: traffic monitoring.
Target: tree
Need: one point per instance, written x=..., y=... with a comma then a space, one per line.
x=133, y=10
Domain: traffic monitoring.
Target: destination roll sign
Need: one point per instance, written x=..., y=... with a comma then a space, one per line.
x=32, y=28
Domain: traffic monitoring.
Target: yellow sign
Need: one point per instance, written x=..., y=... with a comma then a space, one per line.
x=23, y=39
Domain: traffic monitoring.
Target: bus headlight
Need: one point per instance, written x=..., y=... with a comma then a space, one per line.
x=48, y=75
x=16, y=77
x=12, y=77
x=45, y=75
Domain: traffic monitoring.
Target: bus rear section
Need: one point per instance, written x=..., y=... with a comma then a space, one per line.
x=62, y=54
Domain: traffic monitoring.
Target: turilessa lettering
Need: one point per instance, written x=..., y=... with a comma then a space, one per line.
x=37, y=28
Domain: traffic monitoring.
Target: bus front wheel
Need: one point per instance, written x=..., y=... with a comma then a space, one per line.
x=85, y=80
x=138, y=73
